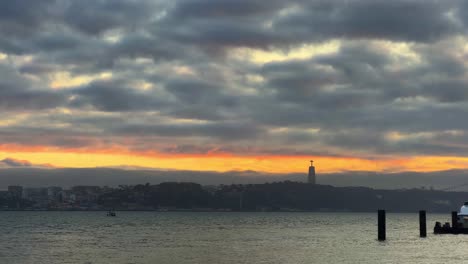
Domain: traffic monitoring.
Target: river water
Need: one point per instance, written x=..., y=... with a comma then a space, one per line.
x=176, y=237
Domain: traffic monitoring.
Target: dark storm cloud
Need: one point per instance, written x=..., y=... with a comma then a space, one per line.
x=186, y=9
x=138, y=132
x=29, y=100
x=215, y=25
x=215, y=36
x=361, y=81
x=301, y=81
x=56, y=41
x=115, y=96
x=53, y=46
x=448, y=91
x=228, y=23
x=181, y=98
x=21, y=17
x=142, y=46
x=193, y=92
x=16, y=93
x=32, y=133
x=37, y=68
x=395, y=20
x=184, y=98
x=95, y=17
x=353, y=77
x=226, y=131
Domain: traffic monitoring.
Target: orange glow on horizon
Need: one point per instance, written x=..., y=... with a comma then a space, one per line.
x=86, y=158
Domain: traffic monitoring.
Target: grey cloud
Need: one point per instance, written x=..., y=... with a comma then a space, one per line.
x=46, y=134
x=95, y=17
x=224, y=8
x=30, y=100
x=200, y=112
x=359, y=87
x=22, y=17
x=55, y=46
x=59, y=40
x=16, y=93
x=88, y=56
x=395, y=20
x=114, y=96
x=216, y=25
x=448, y=91
x=301, y=85
x=214, y=36
x=356, y=60
x=200, y=92
x=141, y=46
x=37, y=68
x=249, y=150
x=354, y=96
x=226, y=131
x=15, y=163
x=353, y=77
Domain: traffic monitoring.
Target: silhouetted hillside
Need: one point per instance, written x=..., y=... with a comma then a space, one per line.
x=277, y=196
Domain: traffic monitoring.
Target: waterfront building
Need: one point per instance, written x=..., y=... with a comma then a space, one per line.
x=36, y=195
x=54, y=193
x=15, y=191
x=4, y=195
x=85, y=195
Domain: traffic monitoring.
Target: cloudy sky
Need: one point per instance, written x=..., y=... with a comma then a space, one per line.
x=235, y=84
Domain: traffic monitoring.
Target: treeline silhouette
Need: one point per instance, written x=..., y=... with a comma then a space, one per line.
x=278, y=196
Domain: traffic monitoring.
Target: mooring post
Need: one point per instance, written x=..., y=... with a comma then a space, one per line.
x=422, y=223
x=454, y=220
x=381, y=225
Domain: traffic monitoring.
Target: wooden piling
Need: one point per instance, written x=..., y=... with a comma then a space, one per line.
x=454, y=220
x=381, y=225
x=422, y=224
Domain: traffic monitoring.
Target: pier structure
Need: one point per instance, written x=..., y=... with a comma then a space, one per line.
x=381, y=229
x=454, y=228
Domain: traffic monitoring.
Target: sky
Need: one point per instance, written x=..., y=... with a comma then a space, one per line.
x=223, y=85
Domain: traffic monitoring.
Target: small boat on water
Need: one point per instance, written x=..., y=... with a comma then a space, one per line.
x=463, y=216
x=111, y=213
x=459, y=223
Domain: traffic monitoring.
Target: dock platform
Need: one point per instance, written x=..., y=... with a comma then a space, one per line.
x=447, y=229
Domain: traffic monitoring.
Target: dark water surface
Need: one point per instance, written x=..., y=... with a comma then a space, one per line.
x=170, y=237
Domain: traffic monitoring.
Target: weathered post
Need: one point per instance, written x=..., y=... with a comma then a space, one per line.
x=422, y=223
x=381, y=225
x=454, y=220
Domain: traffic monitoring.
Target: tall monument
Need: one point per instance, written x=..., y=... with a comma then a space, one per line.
x=311, y=176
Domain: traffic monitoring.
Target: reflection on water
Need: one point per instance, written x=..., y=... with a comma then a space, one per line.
x=154, y=237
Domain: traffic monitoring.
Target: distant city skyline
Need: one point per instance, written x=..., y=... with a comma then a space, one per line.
x=234, y=85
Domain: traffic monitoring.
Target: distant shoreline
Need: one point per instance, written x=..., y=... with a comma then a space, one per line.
x=193, y=197
x=221, y=211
